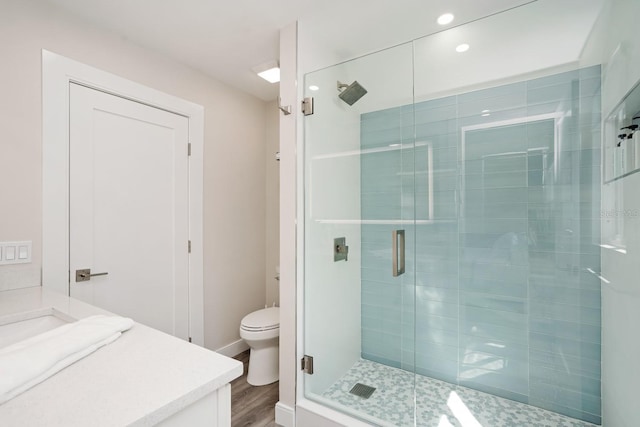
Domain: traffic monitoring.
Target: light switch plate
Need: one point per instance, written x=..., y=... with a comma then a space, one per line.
x=15, y=252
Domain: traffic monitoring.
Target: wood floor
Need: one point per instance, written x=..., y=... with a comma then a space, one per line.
x=252, y=406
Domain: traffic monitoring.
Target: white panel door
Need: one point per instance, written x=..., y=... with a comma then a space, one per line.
x=129, y=208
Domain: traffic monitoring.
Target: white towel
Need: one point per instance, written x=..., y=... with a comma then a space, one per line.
x=31, y=361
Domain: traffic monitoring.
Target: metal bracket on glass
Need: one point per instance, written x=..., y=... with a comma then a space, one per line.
x=306, y=364
x=307, y=106
x=397, y=252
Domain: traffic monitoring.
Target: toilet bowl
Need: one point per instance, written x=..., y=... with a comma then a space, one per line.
x=261, y=331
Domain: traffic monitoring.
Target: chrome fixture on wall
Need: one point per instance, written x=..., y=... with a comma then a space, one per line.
x=286, y=109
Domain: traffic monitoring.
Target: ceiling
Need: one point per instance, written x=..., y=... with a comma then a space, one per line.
x=225, y=39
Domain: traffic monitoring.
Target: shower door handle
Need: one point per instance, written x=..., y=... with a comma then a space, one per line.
x=397, y=252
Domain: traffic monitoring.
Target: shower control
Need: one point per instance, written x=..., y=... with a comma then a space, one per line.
x=340, y=249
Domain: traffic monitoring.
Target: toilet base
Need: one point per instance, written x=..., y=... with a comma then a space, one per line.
x=263, y=366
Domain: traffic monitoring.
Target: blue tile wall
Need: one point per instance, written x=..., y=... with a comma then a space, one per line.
x=498, y=293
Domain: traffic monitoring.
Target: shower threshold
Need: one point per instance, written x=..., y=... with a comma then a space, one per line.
x=438, y=403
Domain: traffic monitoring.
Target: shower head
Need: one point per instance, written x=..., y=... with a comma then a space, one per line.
x=351, y=93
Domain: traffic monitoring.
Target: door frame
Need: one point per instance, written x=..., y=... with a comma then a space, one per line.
x=57, y=73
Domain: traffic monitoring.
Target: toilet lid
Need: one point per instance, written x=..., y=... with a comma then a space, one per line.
x=267, y=318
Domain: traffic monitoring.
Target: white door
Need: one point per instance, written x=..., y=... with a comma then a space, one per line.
x=129, y=209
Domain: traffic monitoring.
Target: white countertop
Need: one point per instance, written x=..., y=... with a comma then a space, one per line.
x=142, y=378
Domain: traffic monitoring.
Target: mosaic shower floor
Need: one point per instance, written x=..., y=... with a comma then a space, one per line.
x=439, y=404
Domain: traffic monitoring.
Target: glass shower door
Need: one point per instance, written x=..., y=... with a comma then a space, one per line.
x=508, y=306
x=484, y=172
x=360, y=211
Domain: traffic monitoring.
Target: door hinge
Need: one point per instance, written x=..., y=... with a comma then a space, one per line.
x=306, y=364
x=307, y=106
x=188, y=149
x=189, y=245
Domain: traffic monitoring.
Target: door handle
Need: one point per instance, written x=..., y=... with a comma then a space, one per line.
x=85, y=275
x=397, y=252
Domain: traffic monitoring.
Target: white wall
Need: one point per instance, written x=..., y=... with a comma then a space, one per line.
x=615, y=41
x=504, y=47
x=234, y=165
x=272, y=194
x=285, y=412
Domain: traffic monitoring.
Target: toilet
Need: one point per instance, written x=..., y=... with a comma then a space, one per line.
x=261, y=331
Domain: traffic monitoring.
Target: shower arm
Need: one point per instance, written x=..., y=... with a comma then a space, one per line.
x=341, y=86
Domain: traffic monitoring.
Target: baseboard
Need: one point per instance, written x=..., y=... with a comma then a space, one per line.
x=234, y=348
x=285, y=415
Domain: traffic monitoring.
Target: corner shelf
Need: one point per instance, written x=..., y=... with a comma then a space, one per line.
x=621, y=143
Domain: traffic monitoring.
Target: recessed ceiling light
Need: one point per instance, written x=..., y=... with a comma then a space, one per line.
x=270, y=71
x=272, y=75
x=445, y=19
x=462, y=48
x=486, y=113
x=313, y=87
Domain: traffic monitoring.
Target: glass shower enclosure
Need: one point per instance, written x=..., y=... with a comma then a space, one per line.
x=452, y=230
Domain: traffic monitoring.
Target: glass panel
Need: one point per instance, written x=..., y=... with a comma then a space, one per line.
x=508, y=301
x=360, y=185
x=489, y=160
